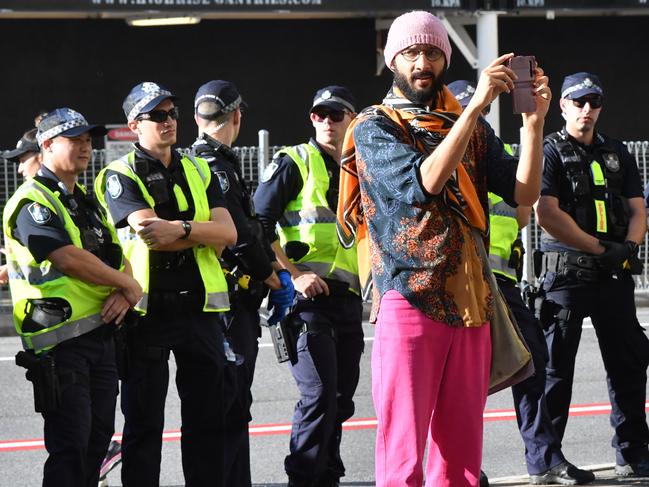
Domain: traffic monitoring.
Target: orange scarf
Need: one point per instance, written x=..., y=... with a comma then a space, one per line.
x=460, y=192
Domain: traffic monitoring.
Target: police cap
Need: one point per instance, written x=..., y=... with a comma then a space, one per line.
x=145, y=97
x=27, y=143
x=463, y=91
x=65, y=122
x=581, y=84
x=336, y=98
x=216, y=98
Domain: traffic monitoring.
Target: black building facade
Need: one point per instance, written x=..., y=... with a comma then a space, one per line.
x=90, y=65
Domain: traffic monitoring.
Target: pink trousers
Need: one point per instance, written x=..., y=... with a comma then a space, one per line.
x=429, y=381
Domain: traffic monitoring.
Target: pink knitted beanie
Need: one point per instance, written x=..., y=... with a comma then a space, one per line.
x=416, y=27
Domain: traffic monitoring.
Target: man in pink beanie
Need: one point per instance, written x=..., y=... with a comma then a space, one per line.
x=422, y=168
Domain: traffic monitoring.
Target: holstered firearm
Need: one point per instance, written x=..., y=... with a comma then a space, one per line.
x=41, y=372
x=123, y=349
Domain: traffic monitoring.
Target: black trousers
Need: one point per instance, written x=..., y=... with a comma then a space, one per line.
x=242, y=332
x=326, y=373
x=542, y=444
x=196, y=340
x=77, y=434
x=624, y=347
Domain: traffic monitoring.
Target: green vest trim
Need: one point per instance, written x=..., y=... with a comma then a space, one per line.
x=31, y=280
x=308, y=219
x=198, y=177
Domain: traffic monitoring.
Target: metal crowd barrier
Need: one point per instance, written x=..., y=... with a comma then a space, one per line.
x=255, y=158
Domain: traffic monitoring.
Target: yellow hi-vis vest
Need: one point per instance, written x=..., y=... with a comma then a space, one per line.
x=503, y=231
x=308, y=219
x=197, y=174
x=30, y=280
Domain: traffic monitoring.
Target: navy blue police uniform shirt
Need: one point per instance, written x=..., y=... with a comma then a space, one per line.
x=42, y=231
x=252, y=248
x=169, y=271
x=555, y=181
x=282, y=182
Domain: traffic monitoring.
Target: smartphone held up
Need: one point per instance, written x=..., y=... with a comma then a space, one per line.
x=524, y=67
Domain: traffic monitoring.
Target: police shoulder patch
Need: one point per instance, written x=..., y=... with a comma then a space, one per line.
x=612, y=161
x=269, y=171
x=114, y=186
x=40, y=214
x=223, y=180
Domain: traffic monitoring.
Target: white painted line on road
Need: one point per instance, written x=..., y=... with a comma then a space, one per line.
x=586, y=326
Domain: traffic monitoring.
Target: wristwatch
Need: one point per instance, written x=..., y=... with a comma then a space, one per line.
x=187, y=227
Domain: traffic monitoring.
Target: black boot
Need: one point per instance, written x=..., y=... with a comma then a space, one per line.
x=484, y=480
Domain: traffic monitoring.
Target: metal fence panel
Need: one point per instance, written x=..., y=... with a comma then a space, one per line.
x=250, y=169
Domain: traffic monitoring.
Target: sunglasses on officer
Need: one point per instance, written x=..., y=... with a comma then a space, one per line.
x=320, y=114
x=594, y=101
x=159, y=116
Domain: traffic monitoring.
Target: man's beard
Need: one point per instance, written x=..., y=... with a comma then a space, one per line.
x=426, y=96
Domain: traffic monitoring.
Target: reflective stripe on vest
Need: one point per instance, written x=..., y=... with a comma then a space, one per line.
x=30, y=280
x=308, y=219
x=197, y=175
x=307, y=216
x=323, y=268
x=503, y=231
x=53, y=336
x=33, y=275
x=600, y=206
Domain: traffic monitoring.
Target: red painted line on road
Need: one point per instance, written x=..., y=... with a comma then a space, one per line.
x=352, y=424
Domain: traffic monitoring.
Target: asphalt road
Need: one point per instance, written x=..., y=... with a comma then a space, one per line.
x=587, y=440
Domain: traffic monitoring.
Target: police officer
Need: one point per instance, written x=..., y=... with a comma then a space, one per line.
x=546, y=463
x=69, y=285
x=593, y=218
x=27, y=155
x=171, y=214
x=250, y=265
x=299, y=192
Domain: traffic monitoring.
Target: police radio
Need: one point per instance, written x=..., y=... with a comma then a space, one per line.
x=278, y=335
x=284, y=335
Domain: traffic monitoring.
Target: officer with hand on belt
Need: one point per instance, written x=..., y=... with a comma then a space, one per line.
x=70, y=285
x=593, y=218
x=299, y=192
x=173, y=220
x=250, y=265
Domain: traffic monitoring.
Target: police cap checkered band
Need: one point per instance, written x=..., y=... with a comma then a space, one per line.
x=144, y=98
x=59, y=121
x=462, y=90
x=217, y=97
x=216, y=106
